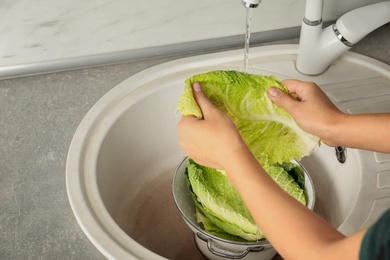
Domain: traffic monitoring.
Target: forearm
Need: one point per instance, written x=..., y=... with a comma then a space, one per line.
x=364, y=131
x=295, y=231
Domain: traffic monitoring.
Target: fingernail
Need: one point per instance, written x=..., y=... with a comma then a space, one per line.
x=196, y=86
x=272, y=92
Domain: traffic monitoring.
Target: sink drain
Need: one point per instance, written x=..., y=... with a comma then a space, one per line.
x=341, y=154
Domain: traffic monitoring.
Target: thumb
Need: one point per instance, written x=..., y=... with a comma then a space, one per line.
x=204, y=103
x=282, y=99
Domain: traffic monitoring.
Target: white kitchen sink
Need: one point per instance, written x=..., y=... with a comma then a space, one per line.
x=125, y=151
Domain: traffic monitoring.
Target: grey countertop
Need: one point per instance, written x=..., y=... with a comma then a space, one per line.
x=39, y=115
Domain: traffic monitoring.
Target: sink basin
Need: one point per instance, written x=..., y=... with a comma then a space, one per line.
x=125, y=152
x=337, y=184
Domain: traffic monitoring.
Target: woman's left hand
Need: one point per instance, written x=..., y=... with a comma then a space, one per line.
x=211, y=140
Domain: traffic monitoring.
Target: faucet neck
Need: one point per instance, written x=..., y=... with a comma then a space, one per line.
x=313, y=12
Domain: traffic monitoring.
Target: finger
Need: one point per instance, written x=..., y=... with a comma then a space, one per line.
x=186, y=122
x=302, y=89
x=204, y=103
x=293, y=85
x=282, y=99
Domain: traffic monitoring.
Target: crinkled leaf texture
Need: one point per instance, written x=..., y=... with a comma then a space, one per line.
x=220, y=207
x=269, y=131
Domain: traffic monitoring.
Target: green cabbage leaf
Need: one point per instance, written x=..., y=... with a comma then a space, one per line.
x=220, y=207
x=269, y=131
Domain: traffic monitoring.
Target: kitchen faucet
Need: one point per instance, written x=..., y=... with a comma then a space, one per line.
x=319, y=47
x=251, y=3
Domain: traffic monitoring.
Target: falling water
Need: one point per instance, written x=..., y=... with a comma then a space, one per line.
x=247, y=36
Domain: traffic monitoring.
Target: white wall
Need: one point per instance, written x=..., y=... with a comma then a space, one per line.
x=34, y=31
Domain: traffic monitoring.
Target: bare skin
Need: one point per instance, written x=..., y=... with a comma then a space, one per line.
x=317, y=115
x=295, y=231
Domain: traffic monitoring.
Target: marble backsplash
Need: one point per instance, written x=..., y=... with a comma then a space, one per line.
x=38, y=31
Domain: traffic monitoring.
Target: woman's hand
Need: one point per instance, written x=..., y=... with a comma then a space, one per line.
x=313, y=111
x=211, y=140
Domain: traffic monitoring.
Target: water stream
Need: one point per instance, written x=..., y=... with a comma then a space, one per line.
x=247, y=36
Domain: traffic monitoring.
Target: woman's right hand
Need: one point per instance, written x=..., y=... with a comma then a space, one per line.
x=312, y=110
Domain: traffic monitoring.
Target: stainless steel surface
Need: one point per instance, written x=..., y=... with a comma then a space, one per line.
x=340, y=36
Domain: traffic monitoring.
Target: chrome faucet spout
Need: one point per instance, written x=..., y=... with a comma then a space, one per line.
x=251, y=3
x=318, y=47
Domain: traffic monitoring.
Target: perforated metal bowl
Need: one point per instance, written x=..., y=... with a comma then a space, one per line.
x=214, y=247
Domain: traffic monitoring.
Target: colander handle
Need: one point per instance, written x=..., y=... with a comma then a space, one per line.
x=223, y=252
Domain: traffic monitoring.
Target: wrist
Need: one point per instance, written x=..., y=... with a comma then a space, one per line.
x=239, y=158
x=333, y=132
